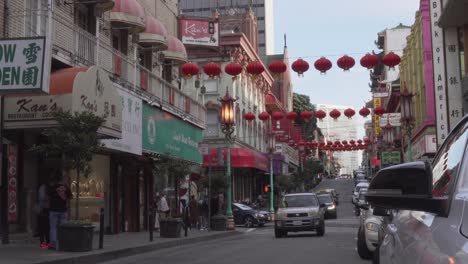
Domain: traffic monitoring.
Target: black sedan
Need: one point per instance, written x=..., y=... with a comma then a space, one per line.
x=327, y=199
x=245, y=215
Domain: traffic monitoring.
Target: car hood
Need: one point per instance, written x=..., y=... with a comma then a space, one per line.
x=290, y=210
x=263, y=212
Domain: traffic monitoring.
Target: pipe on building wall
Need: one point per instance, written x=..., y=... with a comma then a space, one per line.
x=5, y=18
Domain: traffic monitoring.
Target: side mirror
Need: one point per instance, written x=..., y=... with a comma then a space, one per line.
x=381, y=212
x=406, y=186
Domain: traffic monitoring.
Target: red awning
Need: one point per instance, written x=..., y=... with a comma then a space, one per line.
x=240, y=158
x=272, y=103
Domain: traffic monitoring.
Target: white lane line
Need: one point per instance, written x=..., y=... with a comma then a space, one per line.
x=250, y=230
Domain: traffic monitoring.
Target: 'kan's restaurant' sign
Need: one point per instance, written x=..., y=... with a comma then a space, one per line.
x=91, y=90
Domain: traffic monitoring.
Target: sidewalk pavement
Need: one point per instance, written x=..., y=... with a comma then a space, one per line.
x=115, y=246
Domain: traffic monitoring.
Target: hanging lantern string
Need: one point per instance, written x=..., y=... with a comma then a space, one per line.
x=339, y=55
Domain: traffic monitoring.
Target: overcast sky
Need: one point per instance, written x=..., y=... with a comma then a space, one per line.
x=334, y=28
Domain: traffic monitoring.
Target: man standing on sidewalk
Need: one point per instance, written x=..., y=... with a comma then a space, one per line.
x=60, y=195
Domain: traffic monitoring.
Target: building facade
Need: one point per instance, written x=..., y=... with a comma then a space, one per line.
x=125, y=55
x=339, y=130
x=263, y=10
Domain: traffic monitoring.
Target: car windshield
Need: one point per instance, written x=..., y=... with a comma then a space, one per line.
x=324, y=198
x=243, y=207
x=299, y=201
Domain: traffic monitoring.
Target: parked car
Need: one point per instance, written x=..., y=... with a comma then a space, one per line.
x=359, y=201
x=299, y=212
x=429, y=220
x=333, y=193
x=327, y=199
x=369, y=227
x=245, y=215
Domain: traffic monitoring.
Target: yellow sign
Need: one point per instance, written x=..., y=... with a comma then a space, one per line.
x=377, y=103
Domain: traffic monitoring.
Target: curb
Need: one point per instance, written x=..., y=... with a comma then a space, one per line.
x=97, y=257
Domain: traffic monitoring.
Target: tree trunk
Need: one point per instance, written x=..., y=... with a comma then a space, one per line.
x=77, y=201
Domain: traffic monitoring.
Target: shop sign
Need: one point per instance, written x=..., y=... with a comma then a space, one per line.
x=12, y=175
x=424, y=146
x=131, y=125
x=377, y=103
x=292, y=154
x=199, y=32
x=380, y=94
x=166, y=134
x=438, y=58
x=391, y=158
x=394, y=119
x=279, y=148
x=22, y=65
x=92, y=91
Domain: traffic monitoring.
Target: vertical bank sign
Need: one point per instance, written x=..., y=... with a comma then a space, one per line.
x=199, y=32
x=438, y=57
x=166, y=134
x=22, y=65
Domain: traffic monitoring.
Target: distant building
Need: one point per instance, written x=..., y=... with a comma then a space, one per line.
x=340, y=129
x=263, y=10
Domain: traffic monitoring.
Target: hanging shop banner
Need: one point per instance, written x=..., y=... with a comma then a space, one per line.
x=394, y=119
x=22, y=65
x=91, y=90
x=12, y=175
x=377, y=103
x=131, y=125
x=391, y=158
x=453, y=79
x=165, y=133
x=199, y=32
x=440, y=85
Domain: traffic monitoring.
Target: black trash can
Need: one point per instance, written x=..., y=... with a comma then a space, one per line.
x=218, y=223
x=170, y=227
x=75, y=237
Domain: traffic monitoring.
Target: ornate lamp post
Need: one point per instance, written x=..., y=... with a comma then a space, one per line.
x=227, y=124
x=271, y=148
x=407, y=118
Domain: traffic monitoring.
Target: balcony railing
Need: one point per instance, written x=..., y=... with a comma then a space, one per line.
x=75, y=46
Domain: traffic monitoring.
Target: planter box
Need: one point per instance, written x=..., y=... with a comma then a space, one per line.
x=170, y=227
x=219, y=223
x=75, y=238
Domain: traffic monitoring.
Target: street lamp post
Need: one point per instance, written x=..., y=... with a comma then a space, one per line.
x=228, y=126
x=272, y=143
x=407, y=118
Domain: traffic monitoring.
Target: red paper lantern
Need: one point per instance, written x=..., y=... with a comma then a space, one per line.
x=249, y=116
x=212, y=69
x=369, y=61
x=189, y=69
x=359, y=141
x=352, y=142
x=314, y=144
x=391, y=60
x=322, y=144
x=349, y=113
x=320, y=114
x=277, y=115
x=277, y=67
x=323, y=64
x=346, y=62
x=255, y=68
x=367, y=140
x=344, y=142
x=291, y=116
x=364, y=112
x=379, y=111
x=233, y=69
x=263, y=116
x=329, y=143
x=300, y=66
x=306, y=115
x=335, y=114
x=337, y=142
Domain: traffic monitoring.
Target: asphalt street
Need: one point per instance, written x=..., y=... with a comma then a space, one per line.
x=258, y=245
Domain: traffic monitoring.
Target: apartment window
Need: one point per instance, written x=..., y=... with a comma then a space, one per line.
x=36, y=19
x=260, y=18
x=261, y=45
x=211, y=86
x=261, y=32
x=85, y=18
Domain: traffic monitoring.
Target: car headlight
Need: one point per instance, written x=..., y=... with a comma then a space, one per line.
x=372, y=227
x=331, y=207
x=258, y=215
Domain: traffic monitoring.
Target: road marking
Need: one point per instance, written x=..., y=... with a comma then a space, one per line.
x=250, y=230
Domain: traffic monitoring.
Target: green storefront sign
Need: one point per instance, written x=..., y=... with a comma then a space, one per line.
x=391, y=158
x=166, y=134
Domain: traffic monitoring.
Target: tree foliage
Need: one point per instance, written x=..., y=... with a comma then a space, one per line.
x=302, y=103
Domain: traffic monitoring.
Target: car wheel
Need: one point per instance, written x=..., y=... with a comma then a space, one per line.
x=362, y=249
x=321, y=229
x=248, y=221
x=261, y=224
x=279, y=233
x=376, y=255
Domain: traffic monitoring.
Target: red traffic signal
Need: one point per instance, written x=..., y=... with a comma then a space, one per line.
x=266, y=189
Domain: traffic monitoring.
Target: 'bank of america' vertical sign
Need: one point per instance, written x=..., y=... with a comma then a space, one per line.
x=438, y=59
x=452, y=66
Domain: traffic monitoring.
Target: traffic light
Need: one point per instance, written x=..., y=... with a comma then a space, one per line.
x=266, y=189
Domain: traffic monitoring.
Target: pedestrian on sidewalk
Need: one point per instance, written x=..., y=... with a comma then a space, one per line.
x=60, y=196
x=204, y=214
x=156, y=211
x=193, y=206
x=163, y=207
x=42, y=209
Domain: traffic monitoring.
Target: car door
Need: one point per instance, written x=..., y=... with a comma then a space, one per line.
x=237, y=212
x=421, y=237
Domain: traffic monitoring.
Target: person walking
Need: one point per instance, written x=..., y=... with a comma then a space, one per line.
x=163, y=207
x=156, y=212
x=204, y=212
x=60, y=196
x=193, y=206
x=43, y=215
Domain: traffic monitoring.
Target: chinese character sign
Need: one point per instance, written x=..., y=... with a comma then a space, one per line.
x=12, y=183
x=21, y=65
